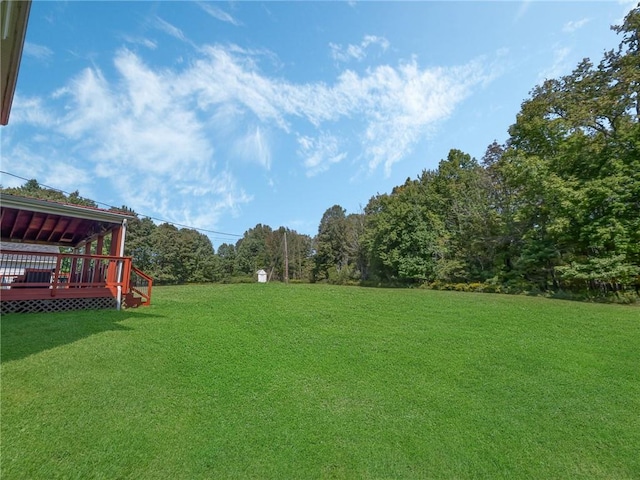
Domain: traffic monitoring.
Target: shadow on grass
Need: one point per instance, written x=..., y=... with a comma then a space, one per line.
x=22, y=335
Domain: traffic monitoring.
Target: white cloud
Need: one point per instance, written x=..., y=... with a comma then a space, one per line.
x=319, y=153
x=231, y=197
x=169, y=29
x=357, y=52
x=46, y=163
x=221, y=78
x=574, y=25
x=402, y=104
x=152, y=132
x=30, y=110
x=145, y=42
x=146, y=139
x=93, y=104
x=396, y=104
x=627, y=6
x=218, y=13
x=561, y=65
x=10, y=182
x=20, y=159
x=254, y=147
x=41, y=52
x=66, y=176
x=522, y=11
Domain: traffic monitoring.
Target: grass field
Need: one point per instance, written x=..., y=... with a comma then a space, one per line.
x=313, y=381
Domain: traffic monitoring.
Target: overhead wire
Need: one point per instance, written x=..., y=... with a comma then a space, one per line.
x=215, y=232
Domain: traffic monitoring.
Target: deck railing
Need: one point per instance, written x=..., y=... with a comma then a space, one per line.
x=141, y=284
x=40, y=274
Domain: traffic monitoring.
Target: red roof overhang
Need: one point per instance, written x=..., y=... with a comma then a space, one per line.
x=31, y=220
x=14, y=15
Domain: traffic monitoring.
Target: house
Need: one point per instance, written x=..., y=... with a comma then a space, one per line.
x=91, y=271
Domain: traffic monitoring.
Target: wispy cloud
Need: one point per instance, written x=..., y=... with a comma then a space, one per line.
x=218, y=13
x=23, y=160
x=31, y=110
x=357, y=52
x=627, y=6
x=169, y=29
x=153, y=131
x=254, y=147
x=68, y=177
x=41, y=52
x=522, y=10
x=560, y=65
x=145, y=42
x=48, y=164
x=574, y=25
x=394, y=105
x=144, y=138
x=319, y=153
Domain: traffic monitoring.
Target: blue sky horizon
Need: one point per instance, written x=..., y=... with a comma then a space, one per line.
x=223, y=115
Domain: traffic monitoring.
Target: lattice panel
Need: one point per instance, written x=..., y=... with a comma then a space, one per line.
x=57, y=305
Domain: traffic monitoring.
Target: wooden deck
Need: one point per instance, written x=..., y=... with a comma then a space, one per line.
x=38, y=276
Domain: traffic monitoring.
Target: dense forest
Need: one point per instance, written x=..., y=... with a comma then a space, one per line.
x=556, y=208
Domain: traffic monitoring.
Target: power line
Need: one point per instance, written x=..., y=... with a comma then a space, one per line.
x=141, y=214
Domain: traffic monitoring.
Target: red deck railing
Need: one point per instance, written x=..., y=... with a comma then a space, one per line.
x=140, y=284
x=37, y=275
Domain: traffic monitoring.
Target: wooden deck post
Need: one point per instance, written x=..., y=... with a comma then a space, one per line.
x=97, y=265
x=56, y=275
x=112, y=272
x=86, y=262
x=99, y=244
x=116, y=237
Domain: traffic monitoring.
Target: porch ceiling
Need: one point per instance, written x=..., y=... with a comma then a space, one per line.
x=38, y=221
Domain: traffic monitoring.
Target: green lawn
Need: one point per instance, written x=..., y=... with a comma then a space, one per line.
x=313, y=381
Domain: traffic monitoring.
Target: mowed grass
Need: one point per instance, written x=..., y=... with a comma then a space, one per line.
x=314, y=381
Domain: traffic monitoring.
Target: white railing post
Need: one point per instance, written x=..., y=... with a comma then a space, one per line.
x=121, y=254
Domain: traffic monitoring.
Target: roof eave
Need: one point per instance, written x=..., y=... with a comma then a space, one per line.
x=53, y=208
x=13, y=25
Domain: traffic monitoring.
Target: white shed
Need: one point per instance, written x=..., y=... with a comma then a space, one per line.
x=262, y=276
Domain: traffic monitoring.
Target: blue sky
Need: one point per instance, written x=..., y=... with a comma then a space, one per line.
x=223, y=115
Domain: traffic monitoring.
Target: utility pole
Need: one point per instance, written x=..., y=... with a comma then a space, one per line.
x=286, y=259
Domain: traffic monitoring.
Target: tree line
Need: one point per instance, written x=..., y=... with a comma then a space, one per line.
x=173, y=255
x=555, y=207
